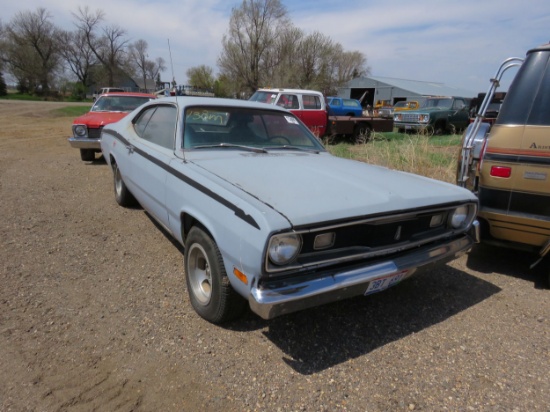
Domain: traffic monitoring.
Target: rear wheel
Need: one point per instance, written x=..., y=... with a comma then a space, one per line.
x=210, y=291
x=122, y=195
x=87, y=155
x=361, y=133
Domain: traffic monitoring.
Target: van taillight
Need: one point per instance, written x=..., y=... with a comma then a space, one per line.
x=501, y=171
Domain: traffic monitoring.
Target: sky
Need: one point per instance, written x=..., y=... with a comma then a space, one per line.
x=458, y=43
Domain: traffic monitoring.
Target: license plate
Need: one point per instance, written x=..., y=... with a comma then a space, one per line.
x=380, y=284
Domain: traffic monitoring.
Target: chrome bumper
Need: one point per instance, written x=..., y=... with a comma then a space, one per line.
x=85, y=143
x=409, y=126
x=278, y=297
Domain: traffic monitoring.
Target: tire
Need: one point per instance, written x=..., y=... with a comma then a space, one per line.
x=440, y=129
x=361, y=133
x=87, y=155
x=122, y=195
x=208, y=286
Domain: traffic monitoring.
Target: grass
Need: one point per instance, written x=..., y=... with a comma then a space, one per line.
x=434, y=157
x=71, y=111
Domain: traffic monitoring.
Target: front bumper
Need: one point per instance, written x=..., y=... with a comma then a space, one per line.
x=410, y=126
x=85, y=143
x=278, y=297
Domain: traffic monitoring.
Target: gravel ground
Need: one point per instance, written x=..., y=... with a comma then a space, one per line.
x=94, y=314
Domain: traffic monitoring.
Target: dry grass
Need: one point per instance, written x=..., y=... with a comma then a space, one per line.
x=434, y=157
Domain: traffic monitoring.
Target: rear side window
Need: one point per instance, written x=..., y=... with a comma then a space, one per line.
x=311, y=102
x=288, y=101
x=528, y=98
x=158, y=125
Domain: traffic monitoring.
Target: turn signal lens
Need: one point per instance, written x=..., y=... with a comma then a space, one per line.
x=240, y=275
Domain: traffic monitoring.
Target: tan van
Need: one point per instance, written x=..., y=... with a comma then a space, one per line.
x=508, y=164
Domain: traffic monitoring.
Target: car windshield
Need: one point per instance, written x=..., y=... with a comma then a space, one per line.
x=351, y=103
x=264, y=97
x=208, y=127
x=443, y=103
x=400, y=104
x=118, y=103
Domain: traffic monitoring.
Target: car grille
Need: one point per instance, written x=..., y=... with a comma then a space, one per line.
x=370, y=238
x=94, y=133
x=409, y=117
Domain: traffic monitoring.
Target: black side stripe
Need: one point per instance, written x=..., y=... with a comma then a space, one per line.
x=238, y=212
x=510, y=158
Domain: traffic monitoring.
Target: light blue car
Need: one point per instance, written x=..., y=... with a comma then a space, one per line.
x=268, y=217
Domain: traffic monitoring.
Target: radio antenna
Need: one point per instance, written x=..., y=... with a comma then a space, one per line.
x=171, y=64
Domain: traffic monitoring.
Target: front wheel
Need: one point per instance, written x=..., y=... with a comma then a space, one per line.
x=87, y=155
x=210, y=291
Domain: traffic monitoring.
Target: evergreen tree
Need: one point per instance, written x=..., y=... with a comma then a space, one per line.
x=3, y=87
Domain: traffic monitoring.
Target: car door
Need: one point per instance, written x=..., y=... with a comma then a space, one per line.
x=460, y=115
x=153, y=148
x=314, y=114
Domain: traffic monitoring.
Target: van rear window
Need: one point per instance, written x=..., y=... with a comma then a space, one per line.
x=528, y=98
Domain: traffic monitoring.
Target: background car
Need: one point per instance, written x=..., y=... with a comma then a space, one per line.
x=308, y=105
x=108, y=108
x=338, y=106
x=406, y=105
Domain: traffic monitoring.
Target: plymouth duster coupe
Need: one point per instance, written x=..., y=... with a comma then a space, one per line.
x=267, y=217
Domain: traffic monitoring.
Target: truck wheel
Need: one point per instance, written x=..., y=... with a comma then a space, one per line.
x=440, y=129
x=210, y=291
x=361, y=133
x=87, y=155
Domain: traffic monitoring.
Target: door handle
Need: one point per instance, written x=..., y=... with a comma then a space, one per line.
x=130, y=148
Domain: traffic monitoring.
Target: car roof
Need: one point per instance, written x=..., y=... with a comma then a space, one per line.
x=186, y=101
x=132, y=94
x=275, y=90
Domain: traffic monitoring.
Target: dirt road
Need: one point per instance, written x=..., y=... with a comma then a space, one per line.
x=94, y=314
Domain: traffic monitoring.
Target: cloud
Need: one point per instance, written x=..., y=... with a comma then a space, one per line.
x=460, y=44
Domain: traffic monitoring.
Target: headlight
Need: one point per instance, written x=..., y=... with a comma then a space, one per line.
x=80, y=130
x=462, y=216
x=424, y=118
x=283, y=248
x=397, y=117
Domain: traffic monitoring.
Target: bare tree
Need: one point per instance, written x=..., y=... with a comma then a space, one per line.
x=78, y=55
x=254, y=28
x=31, y=49
x=139, y=58
x=109, y=47
x=155, y=67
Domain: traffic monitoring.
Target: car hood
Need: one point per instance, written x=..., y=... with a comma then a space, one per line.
x=310, y=188
x=98, y=119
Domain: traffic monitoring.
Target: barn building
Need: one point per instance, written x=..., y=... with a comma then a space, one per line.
x=373, y=89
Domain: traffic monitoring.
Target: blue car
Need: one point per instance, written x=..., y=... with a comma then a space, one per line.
x=338, y=106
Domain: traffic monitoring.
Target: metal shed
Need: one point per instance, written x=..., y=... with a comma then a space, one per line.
x=375, y=88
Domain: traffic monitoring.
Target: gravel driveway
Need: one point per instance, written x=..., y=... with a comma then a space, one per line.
x=94, y=314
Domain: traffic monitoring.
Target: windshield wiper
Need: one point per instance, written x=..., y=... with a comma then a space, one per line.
x=290, y=147
x=231, y=146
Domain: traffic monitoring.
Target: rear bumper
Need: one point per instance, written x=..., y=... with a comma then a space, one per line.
x=85, y=143
x=515, y=228
x=279, y=297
